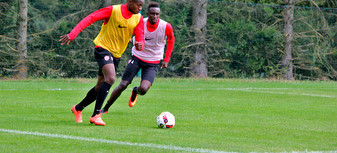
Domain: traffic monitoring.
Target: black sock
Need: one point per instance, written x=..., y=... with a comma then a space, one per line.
x=91, y=97
x=108, y=105
x=103, y=91
x=134, y=93
x=114, y=96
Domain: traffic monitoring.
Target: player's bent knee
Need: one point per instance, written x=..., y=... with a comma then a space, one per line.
x=143, y=90
x=110, y=80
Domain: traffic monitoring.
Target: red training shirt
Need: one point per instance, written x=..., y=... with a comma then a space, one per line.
x=104, y=14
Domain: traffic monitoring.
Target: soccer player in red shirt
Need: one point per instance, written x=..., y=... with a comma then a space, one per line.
x=120, y=23
x=158, y=33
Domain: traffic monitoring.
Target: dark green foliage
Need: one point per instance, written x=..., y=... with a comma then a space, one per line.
x=246, y=45
x=244, y=38
x=8, y=36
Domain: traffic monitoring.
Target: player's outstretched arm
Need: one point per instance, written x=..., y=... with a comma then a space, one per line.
x=101, y=14
x=65, y=39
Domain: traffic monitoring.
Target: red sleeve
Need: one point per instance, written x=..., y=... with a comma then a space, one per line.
x=170, y=42
x=139, y=32
x=101, y=14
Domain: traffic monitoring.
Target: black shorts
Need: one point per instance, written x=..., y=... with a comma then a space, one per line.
x=103, y=57
x=149, y=71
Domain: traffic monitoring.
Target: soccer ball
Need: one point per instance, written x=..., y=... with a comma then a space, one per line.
x=166, y=120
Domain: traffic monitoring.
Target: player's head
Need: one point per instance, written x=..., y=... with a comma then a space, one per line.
x=135, y=6
x=153, y=12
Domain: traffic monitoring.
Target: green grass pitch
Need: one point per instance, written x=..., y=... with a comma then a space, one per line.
x=224, y=115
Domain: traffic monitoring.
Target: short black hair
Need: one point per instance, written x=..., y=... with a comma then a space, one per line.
x=153, y=4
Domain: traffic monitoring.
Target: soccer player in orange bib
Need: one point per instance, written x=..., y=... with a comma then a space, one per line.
x=158, y=33
x=120, y=23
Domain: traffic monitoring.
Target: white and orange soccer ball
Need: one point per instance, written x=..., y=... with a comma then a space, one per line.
x=166, y=120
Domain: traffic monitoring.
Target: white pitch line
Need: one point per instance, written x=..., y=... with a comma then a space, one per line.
x=286, y=93
x=259, y=90
x=228, y=89
x=149, y=145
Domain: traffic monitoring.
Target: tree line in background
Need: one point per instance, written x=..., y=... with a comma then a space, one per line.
x=287, y=39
